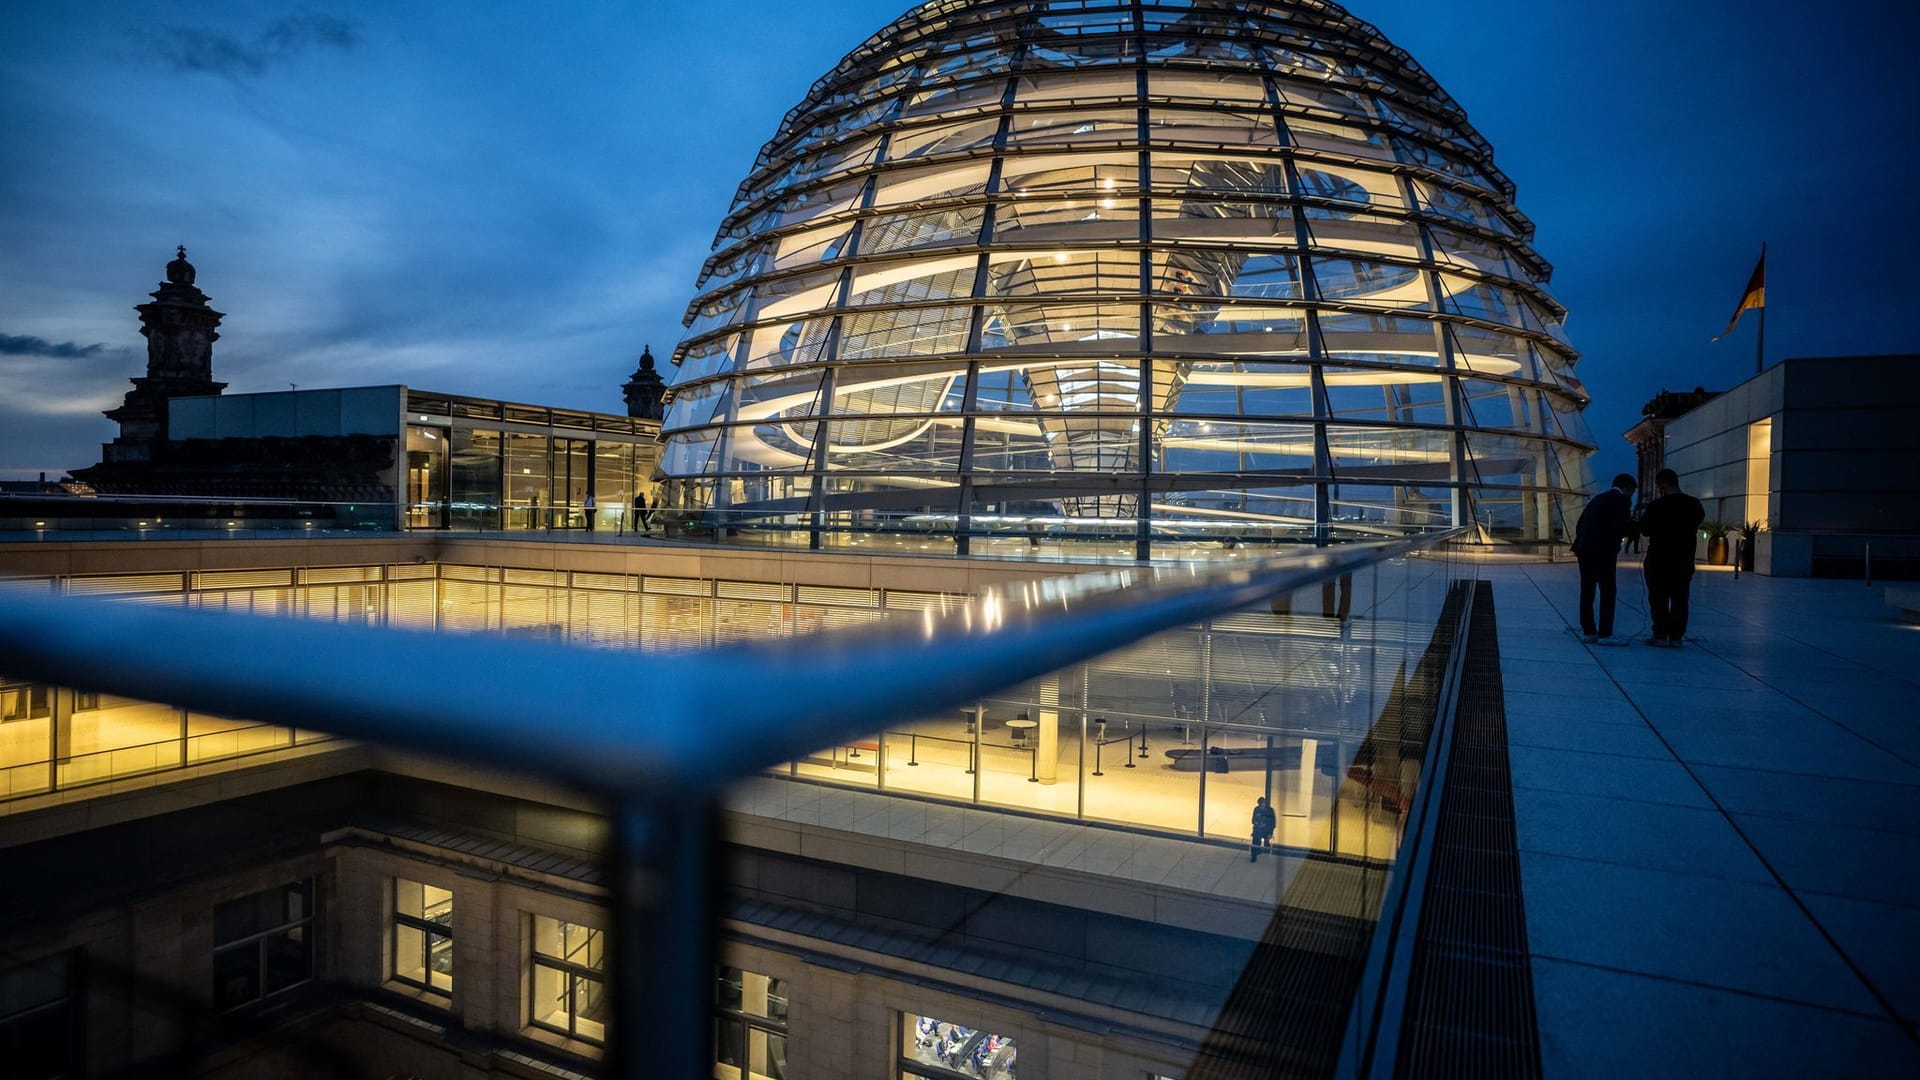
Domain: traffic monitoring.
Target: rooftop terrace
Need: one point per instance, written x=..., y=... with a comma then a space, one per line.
x=1720, y=844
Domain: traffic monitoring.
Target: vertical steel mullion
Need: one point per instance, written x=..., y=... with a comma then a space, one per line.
x=822, y=437
x=60, y=713
x=1459, y=500
x=830, y=354
x=977, y=318
x=979, y=725
x=1086, y=703
x=1143, y=507
x=969, y=407
x=1310, y=312
x=1206, y=714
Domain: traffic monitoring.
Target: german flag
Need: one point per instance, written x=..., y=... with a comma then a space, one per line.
x=1755, y=297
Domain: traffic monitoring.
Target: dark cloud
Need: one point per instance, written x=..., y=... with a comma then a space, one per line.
x=204, y=49
x=28, y=345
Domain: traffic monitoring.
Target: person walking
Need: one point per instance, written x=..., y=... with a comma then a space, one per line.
x=1670, y=522
x=589, y=505
x=1263, y=823
x=1607, y=520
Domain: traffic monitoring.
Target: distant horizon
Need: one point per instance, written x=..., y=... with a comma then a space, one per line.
x=496, y=203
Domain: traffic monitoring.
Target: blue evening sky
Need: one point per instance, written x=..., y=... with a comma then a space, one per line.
x=509, y=200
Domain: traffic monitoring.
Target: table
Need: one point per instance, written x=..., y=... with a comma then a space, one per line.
x=1021, y=730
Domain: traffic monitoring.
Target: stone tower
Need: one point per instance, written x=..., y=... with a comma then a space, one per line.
x=645, y=391
x=180, y=330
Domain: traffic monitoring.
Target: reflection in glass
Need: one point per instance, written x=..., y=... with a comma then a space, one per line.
x=956, y=1049
x=262, y=944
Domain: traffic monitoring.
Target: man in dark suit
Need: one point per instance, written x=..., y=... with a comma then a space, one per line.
x=1670, y=522
x=1607, y=520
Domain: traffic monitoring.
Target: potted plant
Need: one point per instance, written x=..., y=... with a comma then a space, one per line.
x=1750, y=541
x=1716, y=534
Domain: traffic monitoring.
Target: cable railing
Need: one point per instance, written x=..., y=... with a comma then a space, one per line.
x=661, y=763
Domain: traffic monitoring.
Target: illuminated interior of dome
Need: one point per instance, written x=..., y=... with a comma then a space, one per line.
x=1156, y=275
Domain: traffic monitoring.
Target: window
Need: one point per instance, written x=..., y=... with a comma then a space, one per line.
x=749, y=1026
x=40, y=1019
x=423, y=936
x=262, y=945
x=938, y=1050
x=569, y=991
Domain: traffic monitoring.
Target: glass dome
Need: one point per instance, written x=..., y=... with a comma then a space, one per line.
x=1140, y=277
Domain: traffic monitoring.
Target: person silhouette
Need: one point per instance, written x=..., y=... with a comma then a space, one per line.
x=1607, y=520
x=1263, y=824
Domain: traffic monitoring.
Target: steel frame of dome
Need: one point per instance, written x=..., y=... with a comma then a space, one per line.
x=1018, y=268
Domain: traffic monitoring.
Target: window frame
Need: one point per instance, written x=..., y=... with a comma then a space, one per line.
x=257, y=942
x=746, y=1023
x=572, y=971
x=62, y=1016
x=428, y=930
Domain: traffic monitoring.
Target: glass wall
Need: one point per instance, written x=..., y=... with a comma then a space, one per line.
x=1208, y=280
x=428, y=479
x=571, y=476
x=1181, y=733
x=517, y=481
x=529, y=487
x=490, y=466
x=26, y=737
x=476, y=479
x=614, y=487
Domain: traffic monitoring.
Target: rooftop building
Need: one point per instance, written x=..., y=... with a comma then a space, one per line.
x=1816, y=460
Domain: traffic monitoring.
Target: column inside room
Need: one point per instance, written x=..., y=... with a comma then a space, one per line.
x=1047, y=763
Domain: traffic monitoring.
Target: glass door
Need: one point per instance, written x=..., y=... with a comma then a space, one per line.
x=572, y=481
x=427, y=477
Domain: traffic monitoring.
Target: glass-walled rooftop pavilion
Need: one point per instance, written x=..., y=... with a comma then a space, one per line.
x=1301, y=702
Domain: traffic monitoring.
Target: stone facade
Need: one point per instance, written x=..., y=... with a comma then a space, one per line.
x=180, y=328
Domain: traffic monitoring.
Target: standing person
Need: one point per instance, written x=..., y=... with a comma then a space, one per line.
x=1669, y=522
x=1263, y=823
x=1606, y=521
x=589, y=509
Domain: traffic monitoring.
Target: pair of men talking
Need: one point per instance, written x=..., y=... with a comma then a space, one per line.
x=1668, y=523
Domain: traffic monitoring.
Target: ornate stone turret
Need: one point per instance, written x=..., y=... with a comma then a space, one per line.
x=180, y=330
x=645, y=391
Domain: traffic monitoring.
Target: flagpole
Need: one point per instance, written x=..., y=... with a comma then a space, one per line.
x=1760, y=345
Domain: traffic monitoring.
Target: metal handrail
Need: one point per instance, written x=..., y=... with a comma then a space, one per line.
x=656, y=735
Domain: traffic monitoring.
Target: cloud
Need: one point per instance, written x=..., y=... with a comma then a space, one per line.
x=204, y=49
x=28, y=345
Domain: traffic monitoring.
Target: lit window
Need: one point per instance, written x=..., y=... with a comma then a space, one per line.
x=262, y=945
x=569, y=991
x=749, y=1026
x=423, y=936
x=934, y=1049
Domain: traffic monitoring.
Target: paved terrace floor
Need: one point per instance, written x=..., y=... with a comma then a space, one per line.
x=1719, y=844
